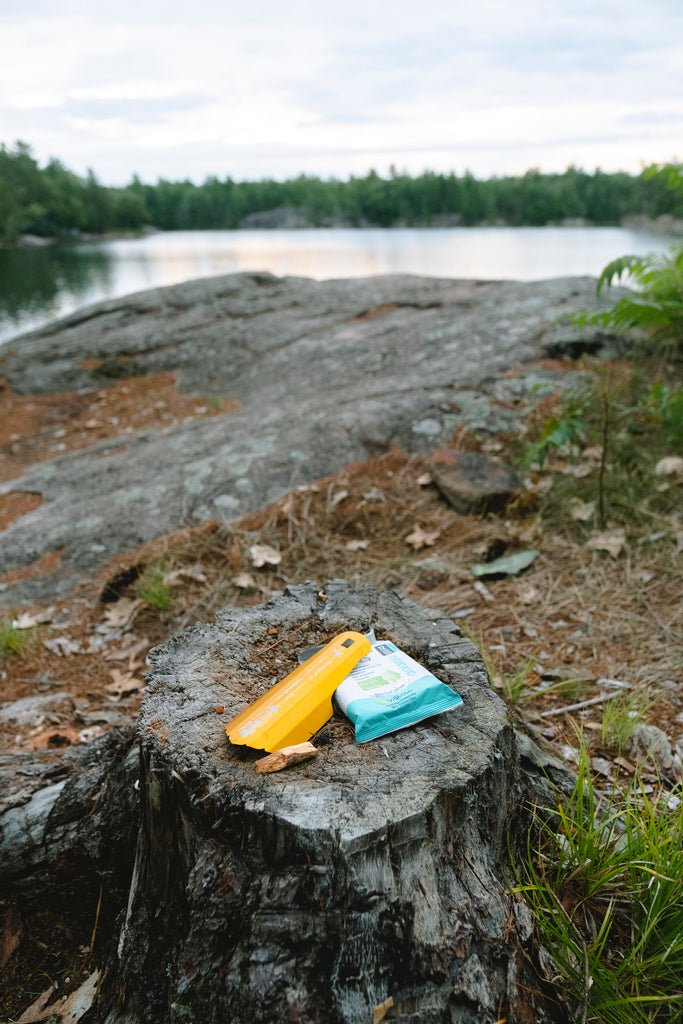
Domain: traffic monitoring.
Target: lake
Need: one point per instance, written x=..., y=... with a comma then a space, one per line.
x=40, y=285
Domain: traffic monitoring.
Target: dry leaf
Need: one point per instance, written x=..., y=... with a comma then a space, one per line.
x=594, y=452
x=54, y=738
x=90, y=733
x=62, y=646
x=374, y=494
x=11, y=934
x=609, y=540
x=672, y=465
x=528, y=594
x=234, y=556
x=357, y=545
x=188, y=572
x=129, y=650
x=577, y=471
x=244, y=581
x=420, y=538
x=124, y=682
x=581, y=510
x=35, y=1010
x=602, y=766
x=28, y=621
x=491, y=446
x=70, y=1009
x=287, y=506
x=264, y=554
x=526, y=531
x=119, y=614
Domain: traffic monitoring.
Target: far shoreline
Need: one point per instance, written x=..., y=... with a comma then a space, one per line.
x=272, y=221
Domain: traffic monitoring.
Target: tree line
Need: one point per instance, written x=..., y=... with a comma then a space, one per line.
x=52, y=201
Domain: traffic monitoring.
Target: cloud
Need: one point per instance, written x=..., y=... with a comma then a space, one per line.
x=272, y=89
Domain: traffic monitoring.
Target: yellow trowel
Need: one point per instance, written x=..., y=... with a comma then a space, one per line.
x=296, y=707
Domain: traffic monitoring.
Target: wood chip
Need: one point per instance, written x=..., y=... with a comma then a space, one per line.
x=280, y=759
x=381, y=1011
x=482, y=590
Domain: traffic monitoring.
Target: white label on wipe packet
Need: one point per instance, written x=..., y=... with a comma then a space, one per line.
x=384, y=670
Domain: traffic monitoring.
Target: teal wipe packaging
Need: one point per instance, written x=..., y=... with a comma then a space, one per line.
x=388, y=690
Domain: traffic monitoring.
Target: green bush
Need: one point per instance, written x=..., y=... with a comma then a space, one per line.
x=657, y=309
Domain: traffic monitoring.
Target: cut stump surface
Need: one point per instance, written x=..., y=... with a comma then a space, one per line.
x=313, y=895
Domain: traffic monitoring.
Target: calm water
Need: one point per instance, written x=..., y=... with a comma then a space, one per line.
x=39, y=285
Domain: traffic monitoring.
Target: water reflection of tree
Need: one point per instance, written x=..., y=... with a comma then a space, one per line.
x=32, y=279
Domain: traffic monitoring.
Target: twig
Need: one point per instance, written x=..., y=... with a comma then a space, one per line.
x=582, y=704
x=97, y=917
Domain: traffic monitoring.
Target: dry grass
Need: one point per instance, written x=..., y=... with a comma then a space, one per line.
x=575, y=614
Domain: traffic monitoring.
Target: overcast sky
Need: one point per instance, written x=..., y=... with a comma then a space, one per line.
x=273, y=88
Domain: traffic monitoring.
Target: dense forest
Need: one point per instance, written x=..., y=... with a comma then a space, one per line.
x=52, y=201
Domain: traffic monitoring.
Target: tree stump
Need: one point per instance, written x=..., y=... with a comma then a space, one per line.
x=372, y=872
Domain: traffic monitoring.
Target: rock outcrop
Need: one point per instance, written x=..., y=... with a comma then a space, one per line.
x=326, y=373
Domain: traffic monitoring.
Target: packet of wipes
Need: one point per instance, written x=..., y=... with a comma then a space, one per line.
x=388, y=690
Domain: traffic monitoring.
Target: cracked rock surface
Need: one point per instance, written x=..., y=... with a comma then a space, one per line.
x=325, y=374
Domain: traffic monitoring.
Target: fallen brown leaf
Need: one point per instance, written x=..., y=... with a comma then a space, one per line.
x=35, y=1011
x=188, y=572
x=420, y=538
x=28, y=621
x=609, y=540
x=528, y=594
x=671, y=465
x=62, y=646
x=11, y=932
x=121, y=612
x=581, y=510
x=244, y=580
x=124, y=682
x=130, y=649
x=54, y=738
x=264, y=554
